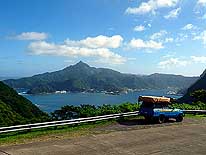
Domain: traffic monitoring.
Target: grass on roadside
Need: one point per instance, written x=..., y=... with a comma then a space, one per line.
x=60, y=132
x=195, y=116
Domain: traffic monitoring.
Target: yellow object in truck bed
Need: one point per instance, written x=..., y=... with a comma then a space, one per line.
x=154, y=99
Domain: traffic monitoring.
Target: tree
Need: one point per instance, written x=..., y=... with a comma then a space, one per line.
x=199, y=95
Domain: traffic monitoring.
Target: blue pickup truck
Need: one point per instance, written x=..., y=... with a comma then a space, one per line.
x=157, y=109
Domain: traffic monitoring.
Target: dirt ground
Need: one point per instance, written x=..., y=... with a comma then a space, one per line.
x=132, y=137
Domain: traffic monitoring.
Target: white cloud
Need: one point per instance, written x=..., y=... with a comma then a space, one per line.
x=69, y=61
x=132, y=59
x=139, y=28
x=169, y=55
x=83, y=48
x=142, y=9
x=161, y=36
x=199, y=59
x=201, y=2
x=149, y=25
x=169, y=40
x=158, y=35
x=97, y=42
x=151, y=6
x=172, y=62
x=188, y=27
x=204, y=16
x=200, y=7
x=141, y=44
x=180, y=38
x=201, y=36
x=173, y=14
x=31, y=36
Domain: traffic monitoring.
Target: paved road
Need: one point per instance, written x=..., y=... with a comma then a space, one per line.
x=177, y=139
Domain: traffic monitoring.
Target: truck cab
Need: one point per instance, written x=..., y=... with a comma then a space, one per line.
x=157, y=108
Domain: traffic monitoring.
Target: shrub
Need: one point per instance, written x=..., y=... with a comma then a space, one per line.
x=69, y=112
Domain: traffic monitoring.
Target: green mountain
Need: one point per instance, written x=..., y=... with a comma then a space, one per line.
x=82, y=77
x=200, y=84
x=169, y=80
x=15, y=109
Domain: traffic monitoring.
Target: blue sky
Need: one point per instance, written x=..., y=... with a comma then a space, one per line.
x=131, y=36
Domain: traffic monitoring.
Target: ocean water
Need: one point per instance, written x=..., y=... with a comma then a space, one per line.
x=51, y=102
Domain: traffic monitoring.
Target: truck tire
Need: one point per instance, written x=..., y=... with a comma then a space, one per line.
x=161, y=119
x=167, y=119
x=179, y=118
x=148, y=119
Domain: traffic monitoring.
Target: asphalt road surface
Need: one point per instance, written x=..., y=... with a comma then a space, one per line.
x=188, y=137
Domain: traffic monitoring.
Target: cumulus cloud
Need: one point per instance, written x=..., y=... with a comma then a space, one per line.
x=188, y=27
x=199, y=59
x=151, y=6
x=201, y=2
x=158, y=35
x=89, y=47
x=31, y=36
x=181, y=37
x=141, y=44
x=139, y=28
x=204, y=16
x=173, y=14
x=172, y=62
x=169, y=40
x=162, y=36
x=200, y=7
x=201, y=36
x=97, y=42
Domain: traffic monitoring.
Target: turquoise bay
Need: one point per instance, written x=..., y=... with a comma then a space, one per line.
x=51, y=102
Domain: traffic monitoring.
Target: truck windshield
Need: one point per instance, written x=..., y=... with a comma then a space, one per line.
x=162, y=105
x=147, y=105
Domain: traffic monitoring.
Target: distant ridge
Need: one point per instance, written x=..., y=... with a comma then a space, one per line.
x=81, y=77
x=8, y=77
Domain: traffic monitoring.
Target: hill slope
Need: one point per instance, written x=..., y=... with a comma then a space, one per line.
x=198, y=85
x=82, y=77
x=15, y=109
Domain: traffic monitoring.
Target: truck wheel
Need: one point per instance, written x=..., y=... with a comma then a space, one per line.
x=179, y=118
x=148, y=119
x=167, y=119
x=161, y=119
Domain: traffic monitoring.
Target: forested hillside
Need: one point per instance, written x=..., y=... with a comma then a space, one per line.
x=199, y=85
x=15, y=109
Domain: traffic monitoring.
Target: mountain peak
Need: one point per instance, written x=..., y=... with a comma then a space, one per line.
x=82, y=64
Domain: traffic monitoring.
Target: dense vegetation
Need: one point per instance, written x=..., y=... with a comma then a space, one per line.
x=200, y=84
x=82, y=77
x=15, y=109
x=69, y=111
x=193, y=106
x=199, y=101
